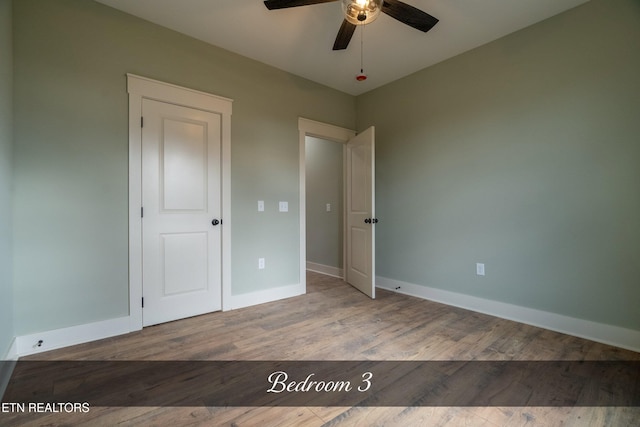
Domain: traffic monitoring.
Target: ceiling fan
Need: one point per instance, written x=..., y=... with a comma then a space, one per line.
x=358, y=12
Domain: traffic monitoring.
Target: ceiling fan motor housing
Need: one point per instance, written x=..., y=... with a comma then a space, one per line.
x=359, y=12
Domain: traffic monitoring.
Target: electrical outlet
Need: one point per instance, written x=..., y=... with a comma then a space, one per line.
x=328, y=207
x=260, y=263
x=284, y=206
x=480, y=269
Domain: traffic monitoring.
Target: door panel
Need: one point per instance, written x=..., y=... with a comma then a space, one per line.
x=360, y=251
x=181, y=249
x=360, y=268
x=185, y=260
x=359, y=174
x=184, y=165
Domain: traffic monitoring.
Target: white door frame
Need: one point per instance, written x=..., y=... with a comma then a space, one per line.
x=321, y=130
x=140, y=88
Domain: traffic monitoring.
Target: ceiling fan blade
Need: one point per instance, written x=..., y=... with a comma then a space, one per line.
x=344, y=35
x=409, y=15
x=282, y=4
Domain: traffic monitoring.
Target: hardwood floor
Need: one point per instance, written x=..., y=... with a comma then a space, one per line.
x=335, y=322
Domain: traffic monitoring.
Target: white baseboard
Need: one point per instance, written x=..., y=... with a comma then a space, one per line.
x=269, y=295
x=12, y=353
x=607, y=334
x=26, y=345
x=325, y=269
x=600, y=332
x=58, y=338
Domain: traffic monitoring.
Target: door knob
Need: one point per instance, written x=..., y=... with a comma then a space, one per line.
x=374, y=221
x=367, y=221
x=215, y=222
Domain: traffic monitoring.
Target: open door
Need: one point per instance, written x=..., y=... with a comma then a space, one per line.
x=360, y=212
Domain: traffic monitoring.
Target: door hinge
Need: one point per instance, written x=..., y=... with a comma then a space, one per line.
x=142, y=212
x=142, y=302
x=141, y=121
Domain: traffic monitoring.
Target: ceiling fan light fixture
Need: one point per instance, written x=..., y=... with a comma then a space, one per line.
x=360, y=12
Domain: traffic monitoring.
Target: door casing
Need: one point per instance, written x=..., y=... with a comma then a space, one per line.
x=140, y=88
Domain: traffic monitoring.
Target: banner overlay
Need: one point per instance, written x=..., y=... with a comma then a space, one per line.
x=326, y=383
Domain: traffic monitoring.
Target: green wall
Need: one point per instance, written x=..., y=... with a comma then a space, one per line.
x=324, y=184
x=6, y=175
x=71, y=166
x=523, y=154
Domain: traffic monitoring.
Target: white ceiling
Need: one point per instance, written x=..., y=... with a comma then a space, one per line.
x=300, y=40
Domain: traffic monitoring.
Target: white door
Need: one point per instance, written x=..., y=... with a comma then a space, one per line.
x=181, y=230
x=360, y=268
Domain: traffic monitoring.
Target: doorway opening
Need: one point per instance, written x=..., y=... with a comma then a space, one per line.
x=325, y=206
x=326, y=132
x=358, y=211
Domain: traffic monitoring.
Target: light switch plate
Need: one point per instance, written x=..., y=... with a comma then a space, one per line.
x=260, y=205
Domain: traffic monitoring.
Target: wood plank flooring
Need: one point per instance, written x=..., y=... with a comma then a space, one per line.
x=335, y=322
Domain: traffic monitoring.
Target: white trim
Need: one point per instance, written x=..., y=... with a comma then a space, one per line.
x=325, y=269
x=600, y=332
x=12, y=353
x=325, y=131
x=135, y=222
x=307, y=127
x=226, y=209
x=269, y=295
x=140, y=88
x=58, y=338
x=173, y=94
